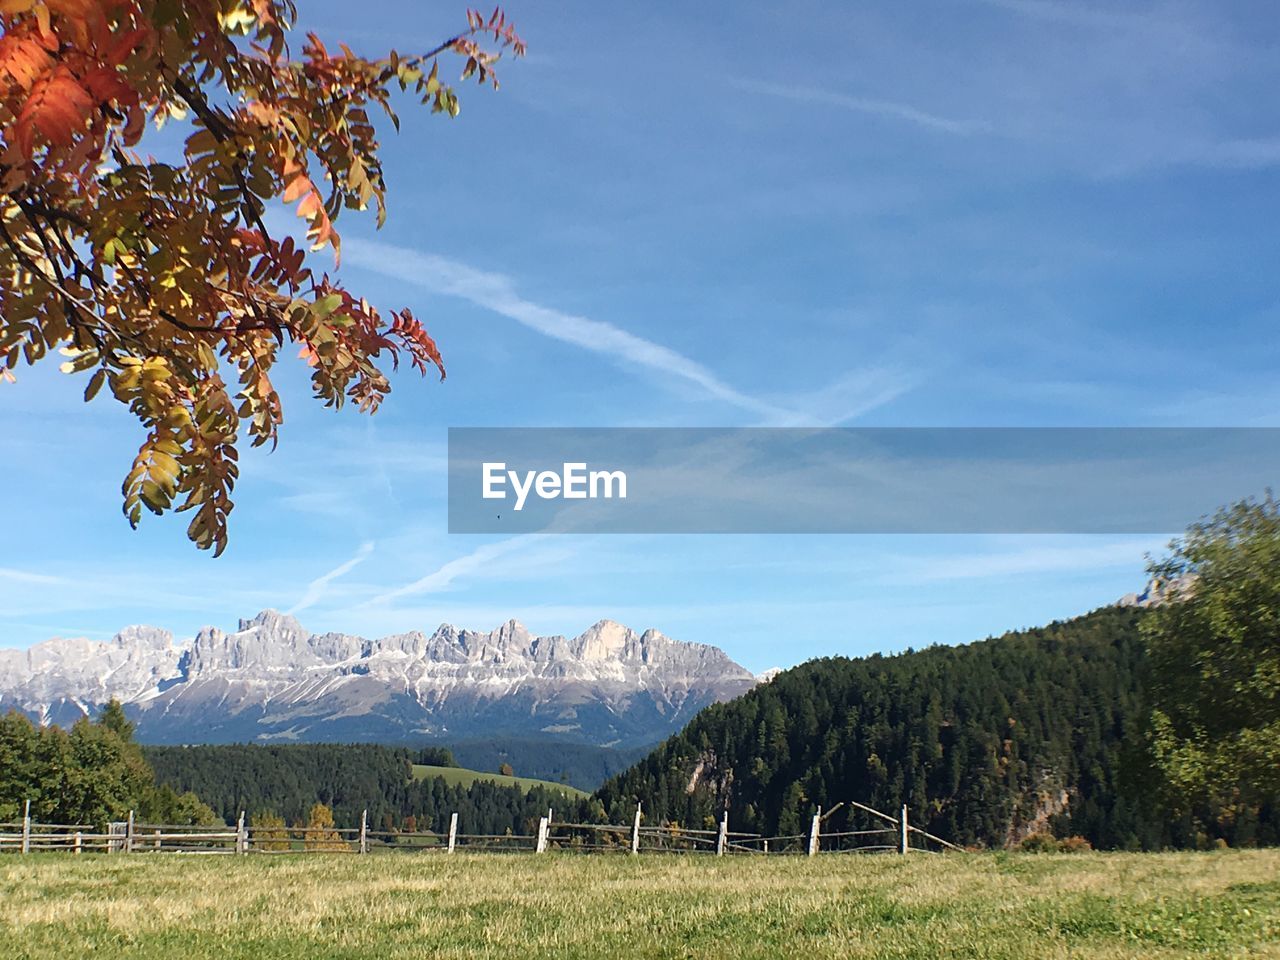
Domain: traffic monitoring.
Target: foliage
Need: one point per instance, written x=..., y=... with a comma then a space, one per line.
x=581, y=765
x=1045, y=842
x=435, y=757
x=91, y=774
x=165, y=805
x=499, y=906
x=506, y=770
x=161, y=277
x=1215, y=656
x=977, y=740
x=268, y=832
x=320, y=833
x=288, y=779
x=1039, y=843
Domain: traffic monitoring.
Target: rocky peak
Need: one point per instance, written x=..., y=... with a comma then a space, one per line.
x=144, y=638
x=1159, y=590
x=271, y=677
x=272, y=621
x=606, y=640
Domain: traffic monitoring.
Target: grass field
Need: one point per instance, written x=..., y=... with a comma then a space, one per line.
x=456, y=775
x=1224, y=904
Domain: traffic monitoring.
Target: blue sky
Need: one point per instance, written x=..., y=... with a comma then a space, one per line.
x=956, y=212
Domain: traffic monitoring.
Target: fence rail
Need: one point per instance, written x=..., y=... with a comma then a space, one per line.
x=130, y=837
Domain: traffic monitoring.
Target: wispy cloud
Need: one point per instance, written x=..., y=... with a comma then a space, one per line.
x=1025, y=561
x=317, y=587
x=1164, y=23
x=1250, y=154
x=847, y=398
x=890, y=109
x=496, y=292
x=443, y=577
x=25, y=576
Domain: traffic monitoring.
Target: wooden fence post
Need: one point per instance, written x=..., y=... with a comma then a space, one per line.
x=156, y=842
x=722, y=838
x=242, y=835
x=814, y=828
x=902, y=838
x=128, y=834
x=635, y=832
x=77, y=842
x=453, y=831
x=26, y=827
x=364, y=831
x=542, y=835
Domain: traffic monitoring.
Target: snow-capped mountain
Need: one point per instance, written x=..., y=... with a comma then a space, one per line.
x=272, y=680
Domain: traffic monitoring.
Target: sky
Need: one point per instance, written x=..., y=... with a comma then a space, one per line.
x=944, y=213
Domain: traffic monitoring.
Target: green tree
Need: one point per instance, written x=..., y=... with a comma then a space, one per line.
x=114, y=719
x=106, y=776
x=19, y=776
x=165, y=805
x=1214, y=649
x=91, y=774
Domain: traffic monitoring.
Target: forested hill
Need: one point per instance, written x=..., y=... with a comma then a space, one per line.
x=286, y=779
x=984, y=743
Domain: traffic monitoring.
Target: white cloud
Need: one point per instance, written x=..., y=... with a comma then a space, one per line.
x=1025, y=561
x=867, y=105
x=443, y=577
x=496, y=292
x=25, y=576
x=316, y=589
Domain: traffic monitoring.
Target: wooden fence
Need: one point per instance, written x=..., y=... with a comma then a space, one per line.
x=127, y=836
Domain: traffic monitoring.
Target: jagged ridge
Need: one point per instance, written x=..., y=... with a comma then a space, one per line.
x=273, y=680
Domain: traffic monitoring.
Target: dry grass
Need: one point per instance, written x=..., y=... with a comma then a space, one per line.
x=414, y=905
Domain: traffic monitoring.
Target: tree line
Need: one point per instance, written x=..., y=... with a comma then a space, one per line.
x=92, y=773
x=285, y=781
x=1127, y=727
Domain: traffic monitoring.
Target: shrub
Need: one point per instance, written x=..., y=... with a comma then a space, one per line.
x=1039, y=843
x=1076, y=844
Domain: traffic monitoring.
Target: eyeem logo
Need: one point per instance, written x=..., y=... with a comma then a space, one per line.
x=574, y=482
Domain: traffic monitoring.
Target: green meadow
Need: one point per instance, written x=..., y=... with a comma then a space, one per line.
x=1220, y=904
x=464, y=777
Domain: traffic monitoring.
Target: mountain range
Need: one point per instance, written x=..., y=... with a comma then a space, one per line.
x=273, y=681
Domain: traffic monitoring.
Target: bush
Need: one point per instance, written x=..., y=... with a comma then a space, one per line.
x=269, y=832
x=1075, y=844
x=1039, y=843
x=1044, y=842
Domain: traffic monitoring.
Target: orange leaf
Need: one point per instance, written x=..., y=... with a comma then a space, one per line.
x=57, y=109
x=296, y=188
x=106, y=85
x=23, y=59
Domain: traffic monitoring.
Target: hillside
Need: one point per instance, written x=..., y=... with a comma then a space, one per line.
x=582, y=765
x=394, y=784
x=461, y=776
x=985, y=743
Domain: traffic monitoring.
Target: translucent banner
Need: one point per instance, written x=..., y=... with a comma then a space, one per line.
x=855, y=480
